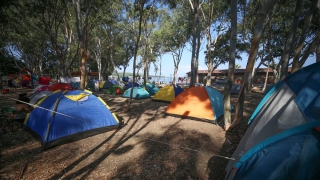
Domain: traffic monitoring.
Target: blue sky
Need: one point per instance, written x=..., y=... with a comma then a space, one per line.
x=185, y=64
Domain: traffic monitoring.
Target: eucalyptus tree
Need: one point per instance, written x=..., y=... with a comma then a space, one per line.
x=289, y=43
x=174, y=33
x=43, y=29
x=82, y=32
x=232, y=62
x=147, y=45
x=214, y=18
x=195, y=8
x=139, y=7
x=312, y=16
x=262, y=14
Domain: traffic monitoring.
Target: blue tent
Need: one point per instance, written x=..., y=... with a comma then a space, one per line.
x=68, y=116
x=129, y=85
x=138, y=93
x=152, y=89
x=292, y=102
x=114, y=81
x=291, y=154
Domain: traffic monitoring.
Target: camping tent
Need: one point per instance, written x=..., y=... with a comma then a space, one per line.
x=41, y=88
x=138, y=93
x=105, y=84
x=268, y=89
x=152, y=89
x=129, y=85
x=235, y=88
x=35, y=97
x=68, y=116
x=114, y=81
x=115, y=89
x=60, y=86
x=291, y=102
x=167, y=93
x=291, y=154
x=200, y=102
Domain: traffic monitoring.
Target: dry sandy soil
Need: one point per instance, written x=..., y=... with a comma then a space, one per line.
x=151, y=145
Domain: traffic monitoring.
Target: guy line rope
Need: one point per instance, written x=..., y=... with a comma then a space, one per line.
x=149, y=139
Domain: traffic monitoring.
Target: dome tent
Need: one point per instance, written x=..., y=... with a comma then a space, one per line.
x=209, y=104
x=138, y=93
x=152, y=89
x=68, y=116
x=287, y=108
x=167, y=93
x=105, y=84
x=129, y=85
x=115, y=89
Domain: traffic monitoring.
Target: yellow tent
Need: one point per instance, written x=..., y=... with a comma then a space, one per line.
x=167, y=93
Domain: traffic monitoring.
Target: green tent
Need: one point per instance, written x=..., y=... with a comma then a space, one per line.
x=113, y=90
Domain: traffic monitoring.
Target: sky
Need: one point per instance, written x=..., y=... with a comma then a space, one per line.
x=167, y=68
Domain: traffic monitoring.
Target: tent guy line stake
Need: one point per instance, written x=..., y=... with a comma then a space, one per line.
x=148, y=139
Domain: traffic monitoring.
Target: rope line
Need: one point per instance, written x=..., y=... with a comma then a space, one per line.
x=146, y=139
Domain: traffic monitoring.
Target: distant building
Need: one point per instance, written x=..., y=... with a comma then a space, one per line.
x=238, y=75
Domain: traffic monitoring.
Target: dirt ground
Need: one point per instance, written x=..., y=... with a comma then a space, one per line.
x=151, y=145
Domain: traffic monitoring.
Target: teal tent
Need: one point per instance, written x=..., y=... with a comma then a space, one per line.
x=138, y=93
x=152, y=89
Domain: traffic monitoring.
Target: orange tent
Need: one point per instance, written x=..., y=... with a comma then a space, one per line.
x=198, y=102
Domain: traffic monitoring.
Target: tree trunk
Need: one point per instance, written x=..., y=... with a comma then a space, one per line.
x=289, y=44
x=145, y=73
x=266, y=79
x=97, y=53
x=254, y=72
x=309, y=49
x=306, y=25
x=232, y=63
x=124, y=71
x=198, y=50
x=111, y=55
x=80, y=31
x=140, y=6
x=209, y=59
x=160, y=69
x=251, y=59
x=193, y=73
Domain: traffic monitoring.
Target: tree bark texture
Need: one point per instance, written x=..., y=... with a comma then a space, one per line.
x=232, y=63
x=306, y=25
x=251, y=59
x=289, y=44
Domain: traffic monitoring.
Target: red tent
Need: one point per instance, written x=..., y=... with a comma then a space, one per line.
x=61, y=86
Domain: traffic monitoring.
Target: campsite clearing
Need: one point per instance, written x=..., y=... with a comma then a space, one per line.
x=151, y=145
